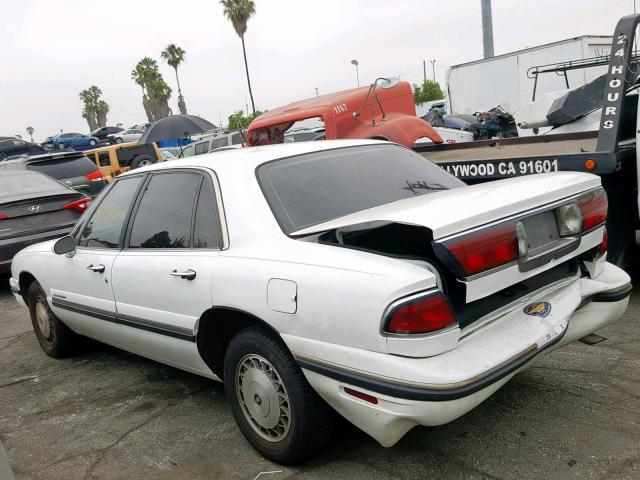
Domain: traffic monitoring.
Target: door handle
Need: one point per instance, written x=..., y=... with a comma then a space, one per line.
x=96, y=268
x=187, y=274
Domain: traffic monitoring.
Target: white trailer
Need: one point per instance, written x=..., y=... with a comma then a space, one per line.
x=502, y=80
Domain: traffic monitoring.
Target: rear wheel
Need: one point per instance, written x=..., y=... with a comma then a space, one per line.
x=118, y=140
x=56, y=339
x=61, y=146
x=274, y=405
x=142, y=161
x=92, y=142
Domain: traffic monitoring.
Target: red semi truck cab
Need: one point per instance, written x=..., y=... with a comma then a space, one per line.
x=383, y=110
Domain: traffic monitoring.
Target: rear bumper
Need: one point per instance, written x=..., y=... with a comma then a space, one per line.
x=436, y=390
x=9, y=247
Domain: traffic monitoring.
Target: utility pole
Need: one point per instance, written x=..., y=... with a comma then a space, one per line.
x=487, y=29
x=219, y=119
x=246, y=105
x=316, y=91
x=433, y=69
x=424, y=70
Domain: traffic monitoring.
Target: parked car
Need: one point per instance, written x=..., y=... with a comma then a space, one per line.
x=76, y=141
x=34, y=208
x=73, y=169
x=116, y=159
x=10, y=146
x=347, y=274
x=304, y=135
x=207, y=145
x=168, y=154
x=103, y=133
x=126, y=136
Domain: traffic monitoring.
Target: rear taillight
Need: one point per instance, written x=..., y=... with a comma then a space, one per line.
x=603, y=245
x=80, y=205
x=423, y=315
x=485, y=249
x=94, y=176
x=2, y=217
x=594, y=209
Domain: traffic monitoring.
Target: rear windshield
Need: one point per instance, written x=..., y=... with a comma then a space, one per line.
x=64, y=167
x=314, y=188
x=26, y=183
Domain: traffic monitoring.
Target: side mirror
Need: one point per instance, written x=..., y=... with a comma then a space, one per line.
x=65, y=245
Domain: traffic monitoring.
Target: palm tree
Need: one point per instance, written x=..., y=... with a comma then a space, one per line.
x=91, y=104
x=143, y=74
x=239, y=12
x=174, y=56
x=30, y=131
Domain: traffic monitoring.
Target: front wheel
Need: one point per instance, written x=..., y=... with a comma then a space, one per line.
x=56, y=339
x=273, y=404
x=92, y=143
x=118, y=140
x=61, y=146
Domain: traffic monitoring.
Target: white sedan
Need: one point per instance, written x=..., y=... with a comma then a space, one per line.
x=345, y=274
x=130, y=135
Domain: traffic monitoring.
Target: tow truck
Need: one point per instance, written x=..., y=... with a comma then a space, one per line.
x=610, y=152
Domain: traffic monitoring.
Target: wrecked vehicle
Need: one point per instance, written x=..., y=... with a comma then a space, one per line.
x=384, y=110
x=346, y=274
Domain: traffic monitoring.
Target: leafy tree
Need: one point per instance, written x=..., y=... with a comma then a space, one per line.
x=94, y=109
x=174, y=56
x=239, y=12
x=239, y=120
x=30, y=131
x=426, y=92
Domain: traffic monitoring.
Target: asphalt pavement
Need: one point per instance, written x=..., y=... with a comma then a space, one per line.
x=112, y=415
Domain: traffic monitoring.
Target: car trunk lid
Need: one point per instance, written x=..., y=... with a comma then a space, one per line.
x=39, y=214
x=452, y=214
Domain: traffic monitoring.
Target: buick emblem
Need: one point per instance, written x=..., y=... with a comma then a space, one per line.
x=34, y=208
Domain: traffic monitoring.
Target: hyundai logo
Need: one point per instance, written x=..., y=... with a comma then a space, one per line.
x=34, y=208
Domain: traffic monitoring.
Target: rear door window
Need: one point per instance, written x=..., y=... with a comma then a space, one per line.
x=104, y=228
x=64, y=167
x=163, y=219
x=202, y=147
x=206, y=228
x=218, y=143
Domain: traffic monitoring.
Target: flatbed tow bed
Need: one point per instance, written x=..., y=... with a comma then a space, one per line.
x=611, y=152
x=495, y=159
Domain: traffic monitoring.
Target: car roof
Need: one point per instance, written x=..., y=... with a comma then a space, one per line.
x=23, y=159
x=252, y=157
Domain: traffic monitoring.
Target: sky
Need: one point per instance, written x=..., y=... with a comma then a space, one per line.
x=52, y=49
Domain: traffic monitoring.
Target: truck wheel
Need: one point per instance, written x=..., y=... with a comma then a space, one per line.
x=273, y=404
x=142, y=161
x=56, y=339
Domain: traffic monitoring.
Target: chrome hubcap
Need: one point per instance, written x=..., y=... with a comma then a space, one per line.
x=146, y=163
x=42, y=316
x=263, y=397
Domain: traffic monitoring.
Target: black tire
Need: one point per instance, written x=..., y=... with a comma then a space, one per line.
x=308, y=426
x=3, y=155
x=61, y=146
x=119, y=140
x=92, y=143
x=56, y=339
x=142, y=161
